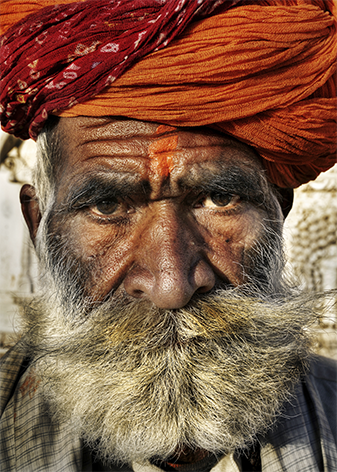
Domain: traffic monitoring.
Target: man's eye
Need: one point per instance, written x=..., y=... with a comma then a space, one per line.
x=215, y=200
x=105, y=207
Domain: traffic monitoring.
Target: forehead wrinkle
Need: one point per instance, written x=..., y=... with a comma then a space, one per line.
x=120, y=128
x=129, y=140
x=142, y=148
x=125, y=128
x=112, y=147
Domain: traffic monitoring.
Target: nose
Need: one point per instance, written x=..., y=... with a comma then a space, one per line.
x=169, y=268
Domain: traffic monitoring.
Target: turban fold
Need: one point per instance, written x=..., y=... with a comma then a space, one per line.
x=263, y=72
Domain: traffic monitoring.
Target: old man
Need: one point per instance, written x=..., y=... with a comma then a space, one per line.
x=170, y=136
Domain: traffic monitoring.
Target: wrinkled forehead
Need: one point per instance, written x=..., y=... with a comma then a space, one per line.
x=163, y=159
x=85, y=138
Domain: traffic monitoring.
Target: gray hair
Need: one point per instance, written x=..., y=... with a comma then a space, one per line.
x=48, y=158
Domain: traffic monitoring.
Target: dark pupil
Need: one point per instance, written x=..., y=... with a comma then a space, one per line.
x=107, y=206
x=221, y=199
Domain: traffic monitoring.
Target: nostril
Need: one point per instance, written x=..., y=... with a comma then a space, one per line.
x=202, y=277
x=204, y=289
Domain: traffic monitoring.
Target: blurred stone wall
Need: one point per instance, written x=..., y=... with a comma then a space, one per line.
x=311, y=242
x=18, y=265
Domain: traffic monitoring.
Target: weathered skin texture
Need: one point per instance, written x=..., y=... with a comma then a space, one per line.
x=173, y=233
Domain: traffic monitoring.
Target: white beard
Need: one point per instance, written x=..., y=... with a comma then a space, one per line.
x=139, y=383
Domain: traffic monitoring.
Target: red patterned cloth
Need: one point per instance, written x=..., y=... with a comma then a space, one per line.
x=67, y=53
x=263, y=71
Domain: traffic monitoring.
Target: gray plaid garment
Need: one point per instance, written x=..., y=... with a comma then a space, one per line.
x=303, y=440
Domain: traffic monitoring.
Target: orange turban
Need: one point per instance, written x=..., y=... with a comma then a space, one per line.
x=263, y=73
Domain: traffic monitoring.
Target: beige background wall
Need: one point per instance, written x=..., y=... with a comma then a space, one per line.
x=18, y=268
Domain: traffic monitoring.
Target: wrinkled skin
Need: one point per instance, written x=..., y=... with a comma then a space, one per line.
x=156, y=211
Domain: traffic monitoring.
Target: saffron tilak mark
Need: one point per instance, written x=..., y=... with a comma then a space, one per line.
x=162, y=152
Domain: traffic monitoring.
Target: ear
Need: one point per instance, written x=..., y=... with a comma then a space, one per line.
x=30, y=209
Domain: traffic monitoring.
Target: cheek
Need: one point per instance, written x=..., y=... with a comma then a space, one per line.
x=229, y=240
x=105, y=253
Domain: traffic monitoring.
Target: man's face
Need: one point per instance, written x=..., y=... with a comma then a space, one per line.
x=165, y=326
x=157, y=212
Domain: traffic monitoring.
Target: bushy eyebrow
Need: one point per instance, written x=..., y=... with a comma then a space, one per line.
x=95, y=188
x=252, y=186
